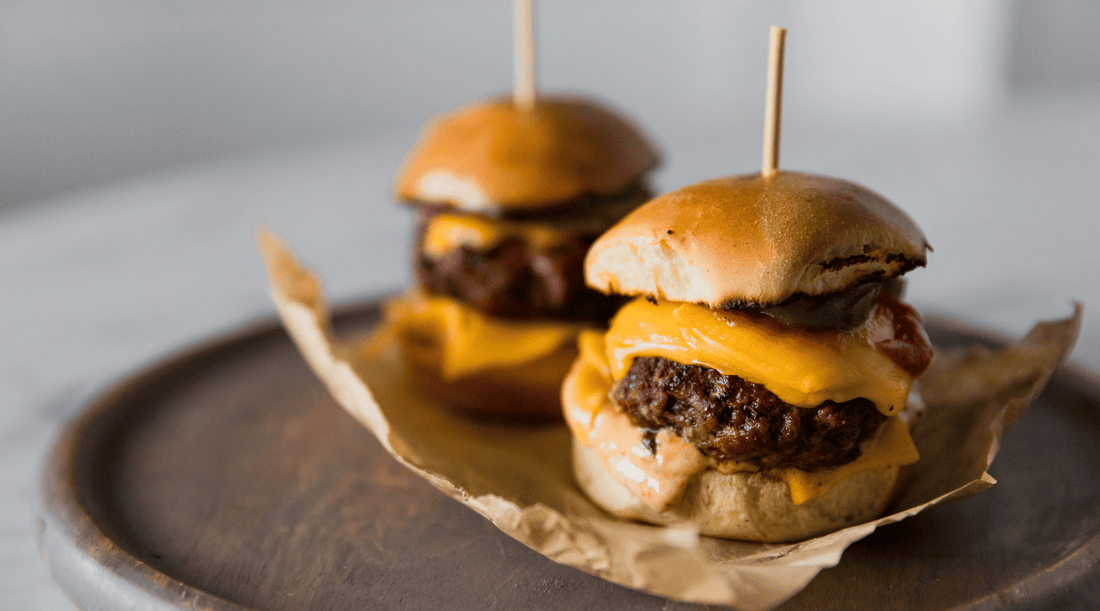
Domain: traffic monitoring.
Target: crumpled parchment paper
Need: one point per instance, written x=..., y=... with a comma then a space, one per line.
x=520, y=478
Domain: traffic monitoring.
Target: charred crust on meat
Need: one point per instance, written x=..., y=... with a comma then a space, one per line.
x=517, y=280
x=733, y=420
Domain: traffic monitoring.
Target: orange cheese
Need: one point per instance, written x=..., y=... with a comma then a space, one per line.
x=803, y=368
x=892, y=446
x=598, y=423
x=461, y=341
x=447, y=232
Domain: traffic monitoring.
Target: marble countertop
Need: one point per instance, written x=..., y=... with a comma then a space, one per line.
x=101, y=282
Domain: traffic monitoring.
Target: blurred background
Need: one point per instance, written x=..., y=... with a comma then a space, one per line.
x=92, y=92
x=141, y=142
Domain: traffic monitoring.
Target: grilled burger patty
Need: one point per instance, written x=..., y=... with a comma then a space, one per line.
x=518, y=280
x=731, y=419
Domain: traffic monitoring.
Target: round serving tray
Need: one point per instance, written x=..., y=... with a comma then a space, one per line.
x=226, y=478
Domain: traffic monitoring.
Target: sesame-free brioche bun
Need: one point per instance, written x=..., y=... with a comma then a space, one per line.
x=743, y=505
x=491, y=157
x=751, y=240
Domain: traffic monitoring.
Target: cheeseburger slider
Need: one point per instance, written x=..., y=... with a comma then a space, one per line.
x=509, y=200
x=754, y=386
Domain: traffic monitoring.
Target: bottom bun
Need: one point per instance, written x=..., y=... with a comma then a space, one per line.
x=526, y=391
x=749, y=506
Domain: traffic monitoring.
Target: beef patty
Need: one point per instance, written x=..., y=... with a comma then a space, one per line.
x=731, y=419
x=518, y=280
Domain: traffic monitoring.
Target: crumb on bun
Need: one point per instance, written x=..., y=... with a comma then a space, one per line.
x=491, y=157
x=755, y=240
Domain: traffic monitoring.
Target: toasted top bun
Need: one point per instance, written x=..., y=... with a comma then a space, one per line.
x=751, y=240
x=492, y=157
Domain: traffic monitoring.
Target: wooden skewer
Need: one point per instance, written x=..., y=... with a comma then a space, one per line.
x=773, y=105
x=523, y=93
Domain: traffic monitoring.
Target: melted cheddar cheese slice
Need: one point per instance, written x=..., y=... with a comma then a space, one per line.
x=646, y=329
x=892, y=446
x=460, y=341
x=447, y=232
x=803, y=368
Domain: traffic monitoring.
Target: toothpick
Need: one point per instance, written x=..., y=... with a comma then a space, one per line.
x=523, y=93
x=773, y=105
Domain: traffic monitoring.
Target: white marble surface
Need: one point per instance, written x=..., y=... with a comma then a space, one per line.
x=99, y=283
